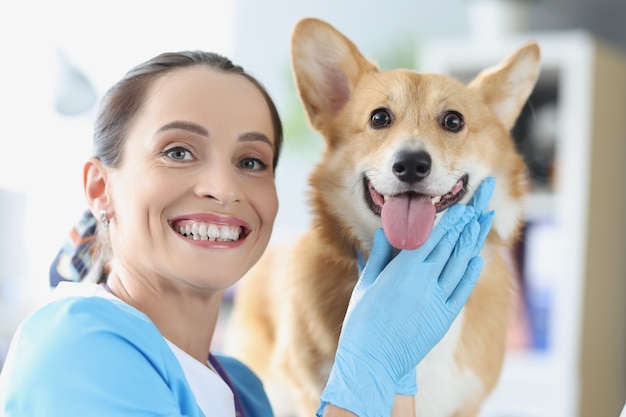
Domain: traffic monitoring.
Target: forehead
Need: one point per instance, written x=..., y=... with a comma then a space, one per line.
x=397, y=85
x=200, y=82
x=204, y=95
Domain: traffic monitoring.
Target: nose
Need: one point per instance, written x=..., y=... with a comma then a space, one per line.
x=412, y=166
x=220, y=185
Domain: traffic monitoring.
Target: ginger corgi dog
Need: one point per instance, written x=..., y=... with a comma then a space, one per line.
x=401, y=147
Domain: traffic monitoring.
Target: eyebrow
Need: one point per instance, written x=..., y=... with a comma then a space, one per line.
x=189, y=126
x=256, y=136
x=200, y=130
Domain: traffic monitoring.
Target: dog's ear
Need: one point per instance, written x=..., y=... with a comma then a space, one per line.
x=326, y=66
x=507, y=86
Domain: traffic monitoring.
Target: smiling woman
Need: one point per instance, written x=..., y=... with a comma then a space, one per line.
x=184, y=154
x=173, y=147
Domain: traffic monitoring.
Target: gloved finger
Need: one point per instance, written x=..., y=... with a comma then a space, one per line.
x=483, y=194
x=448, y=242
x=485, y=222
x=407, y=385
x=380, y=256
x=463, y=290
x=455, y=267
x=454, y=218
x=360, y=261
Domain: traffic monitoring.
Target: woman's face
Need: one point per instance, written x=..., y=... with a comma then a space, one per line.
x=194, y=200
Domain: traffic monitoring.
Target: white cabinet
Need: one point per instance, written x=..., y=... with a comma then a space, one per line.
x=567, y=353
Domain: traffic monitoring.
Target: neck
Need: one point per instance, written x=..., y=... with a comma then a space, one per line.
x=185, y=316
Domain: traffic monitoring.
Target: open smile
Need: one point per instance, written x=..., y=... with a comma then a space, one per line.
x=197, y=230
x=377, y=200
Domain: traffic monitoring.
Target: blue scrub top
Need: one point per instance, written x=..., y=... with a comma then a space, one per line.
x=91, y=356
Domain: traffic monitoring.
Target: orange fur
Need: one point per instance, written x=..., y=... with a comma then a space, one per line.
x=288, y=310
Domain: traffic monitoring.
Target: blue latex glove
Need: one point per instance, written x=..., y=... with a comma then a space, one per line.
x=401, y=308
x=407, y=385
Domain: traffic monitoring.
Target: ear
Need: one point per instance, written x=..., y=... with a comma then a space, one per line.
x=507, y=86
x=327, y=66
x=95, y=180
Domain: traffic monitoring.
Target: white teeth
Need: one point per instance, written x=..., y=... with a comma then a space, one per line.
x=209, y=231
x=229, y=233
x=213, y=232
x=434, y=200
x=202, y=231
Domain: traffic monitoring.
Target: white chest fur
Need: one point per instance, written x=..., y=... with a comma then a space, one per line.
x=442, y=386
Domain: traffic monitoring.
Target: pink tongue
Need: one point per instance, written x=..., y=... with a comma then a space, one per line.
x=407, y=220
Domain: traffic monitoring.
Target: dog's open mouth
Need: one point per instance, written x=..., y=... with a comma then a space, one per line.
x=408, y=218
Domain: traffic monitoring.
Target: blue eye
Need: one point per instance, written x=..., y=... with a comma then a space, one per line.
x=179, y=153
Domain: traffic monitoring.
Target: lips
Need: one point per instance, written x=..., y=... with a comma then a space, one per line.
x=199, y=230
x=407, y=218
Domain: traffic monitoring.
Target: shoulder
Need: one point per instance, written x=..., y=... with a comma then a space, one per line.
x=73, y=347
x=79, y=318
x=83, y=331
x=87, y=322
x=248, y=385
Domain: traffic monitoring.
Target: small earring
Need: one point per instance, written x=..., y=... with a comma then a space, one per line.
x=103, y=218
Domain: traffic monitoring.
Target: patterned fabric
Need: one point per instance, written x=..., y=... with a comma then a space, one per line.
x=73, y=260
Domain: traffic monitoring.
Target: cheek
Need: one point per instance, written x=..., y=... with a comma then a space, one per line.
x=149, y=191
x=267, y=202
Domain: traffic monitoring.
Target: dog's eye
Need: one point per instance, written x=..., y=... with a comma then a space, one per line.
x=452, y=121
x=380, y=118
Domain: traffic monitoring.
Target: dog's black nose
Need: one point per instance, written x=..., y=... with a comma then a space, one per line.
x=412, y=166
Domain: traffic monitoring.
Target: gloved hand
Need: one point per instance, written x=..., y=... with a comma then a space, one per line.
x=401, y=308
x=407, y=385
